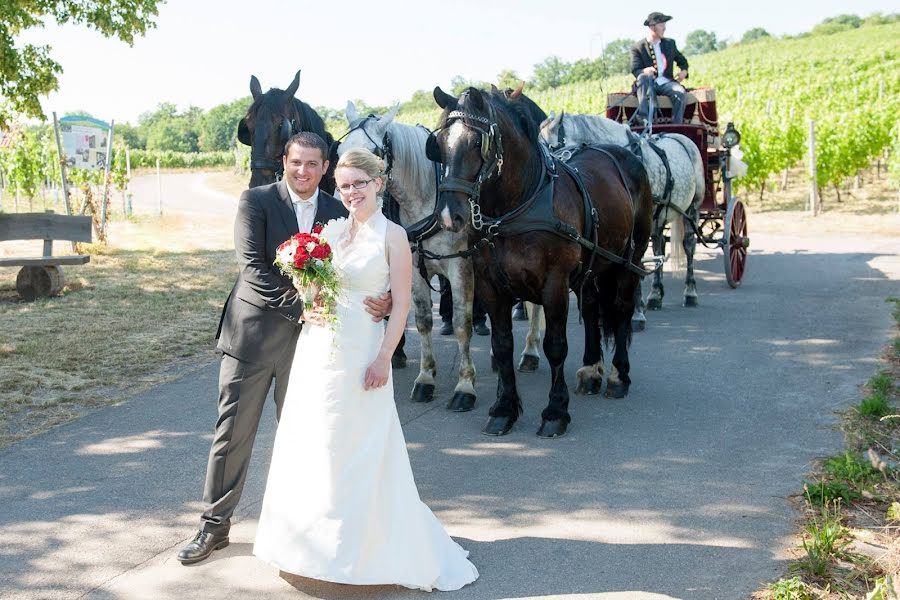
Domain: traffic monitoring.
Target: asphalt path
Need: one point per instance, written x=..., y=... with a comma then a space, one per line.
x=681, y=490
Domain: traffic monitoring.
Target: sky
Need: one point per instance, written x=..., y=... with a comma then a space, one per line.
x=203, y=52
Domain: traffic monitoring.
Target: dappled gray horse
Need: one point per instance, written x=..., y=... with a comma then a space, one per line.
x=411, y=182
x=680, y=207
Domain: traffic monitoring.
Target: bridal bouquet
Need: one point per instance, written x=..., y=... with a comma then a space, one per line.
x=307, y=259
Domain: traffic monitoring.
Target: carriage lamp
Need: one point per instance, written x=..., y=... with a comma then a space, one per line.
x=731, y=137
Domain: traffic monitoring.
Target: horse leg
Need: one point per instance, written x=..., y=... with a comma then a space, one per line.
x=423, y=388
x=531, y=357
x=398, y=360
x=555, y=417
x=590, y=376
x=619, y=381
x=462, y=283
x=690, y=247
x=639, y=320
x=654, y=300
x=508, y=406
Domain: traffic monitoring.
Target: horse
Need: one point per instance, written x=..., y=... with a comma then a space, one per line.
x=270, y=121
x=675, y=167
x=541, y=226
x=411, y=184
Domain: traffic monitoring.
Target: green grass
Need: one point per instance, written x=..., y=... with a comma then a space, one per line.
x=789, y=589
x=824, y=541
x=852, y=469
x=876, y=404
x=824, y=492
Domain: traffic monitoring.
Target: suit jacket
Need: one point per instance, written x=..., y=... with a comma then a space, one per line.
x=643, y=56
x=261, y=315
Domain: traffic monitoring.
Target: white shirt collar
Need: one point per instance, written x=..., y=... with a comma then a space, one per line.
x=314, y=199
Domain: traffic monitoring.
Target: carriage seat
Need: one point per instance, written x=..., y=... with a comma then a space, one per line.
x=700, y=107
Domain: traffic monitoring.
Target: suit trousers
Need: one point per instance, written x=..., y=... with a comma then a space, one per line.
x=647, y=88
x=243, y=387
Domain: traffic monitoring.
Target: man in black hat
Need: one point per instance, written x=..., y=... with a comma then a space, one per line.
x=652, y=61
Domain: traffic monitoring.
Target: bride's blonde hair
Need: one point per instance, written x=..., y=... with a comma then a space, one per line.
x=360, y=158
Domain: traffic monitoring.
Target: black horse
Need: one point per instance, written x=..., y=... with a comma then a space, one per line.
x=273, y=118
x=542, y=227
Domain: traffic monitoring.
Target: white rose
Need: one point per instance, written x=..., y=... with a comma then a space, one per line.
x=310, y=246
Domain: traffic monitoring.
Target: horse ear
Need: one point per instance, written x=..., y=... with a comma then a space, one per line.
x=558, y=120
x=292, y=89
x=352, y=115
x=494, y=89
x=255, y=88
x=518, y=91
x=389, y=116
x=443, y=99
x=244, y=132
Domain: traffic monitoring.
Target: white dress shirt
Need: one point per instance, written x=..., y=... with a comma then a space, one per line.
x=661, y=64
x=304, y=209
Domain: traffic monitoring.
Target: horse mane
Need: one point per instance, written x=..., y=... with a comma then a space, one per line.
x=408, y=142
x=519, y=111
x=274, y=100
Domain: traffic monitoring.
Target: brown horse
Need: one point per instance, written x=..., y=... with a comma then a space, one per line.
x=274, y=117
x=543, y=227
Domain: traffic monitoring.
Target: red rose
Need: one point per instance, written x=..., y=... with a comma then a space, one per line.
x=327, y=250
x=319, y=252
x=301, y=257
x=317, y=229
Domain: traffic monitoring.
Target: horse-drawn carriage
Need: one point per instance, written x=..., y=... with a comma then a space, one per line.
x=722, y=218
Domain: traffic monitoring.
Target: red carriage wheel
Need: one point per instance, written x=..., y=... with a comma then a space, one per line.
x=736, y=243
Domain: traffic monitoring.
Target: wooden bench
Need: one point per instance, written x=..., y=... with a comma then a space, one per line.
x=41, y=276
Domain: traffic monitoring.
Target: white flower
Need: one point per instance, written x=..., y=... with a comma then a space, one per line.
x=319, y=262
x=310, y=246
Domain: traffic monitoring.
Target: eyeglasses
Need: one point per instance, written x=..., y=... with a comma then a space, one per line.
x=356, y=185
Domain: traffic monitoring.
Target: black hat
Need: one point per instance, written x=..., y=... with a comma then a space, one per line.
x=656, y=17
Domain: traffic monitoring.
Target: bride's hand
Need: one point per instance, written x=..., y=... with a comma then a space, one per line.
x=315, y=316
x=377, y=374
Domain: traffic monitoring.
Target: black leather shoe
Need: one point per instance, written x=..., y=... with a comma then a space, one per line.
x=446, y=328
x=201, y=547
x=481, y=329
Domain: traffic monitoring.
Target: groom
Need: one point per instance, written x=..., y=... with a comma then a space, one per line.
x=259, y=327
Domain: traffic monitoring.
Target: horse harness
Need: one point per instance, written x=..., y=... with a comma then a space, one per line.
x=287, y=128
x=535, y=213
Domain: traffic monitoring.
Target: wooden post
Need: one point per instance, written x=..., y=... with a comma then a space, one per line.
x=126, y=195
x=17, y=197
x=62, y=168
x=105, y=197
x=158, y=187
x=813, y=187
x=768, y=107
x=881, y=88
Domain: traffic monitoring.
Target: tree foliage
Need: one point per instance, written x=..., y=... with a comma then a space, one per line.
x=755, y=34
x=28, y=72
x=837, y=24
x=701, y=41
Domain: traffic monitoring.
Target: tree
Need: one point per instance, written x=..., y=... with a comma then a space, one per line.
x=585, y=69
x=550, y=74
x=617, y=57
x=837, y=24
x=700, y=41
x=508, y=78
x=28, y=72
x=755, y=34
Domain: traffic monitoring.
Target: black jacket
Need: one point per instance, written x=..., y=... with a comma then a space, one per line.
x=642, y=56
x=263, y=310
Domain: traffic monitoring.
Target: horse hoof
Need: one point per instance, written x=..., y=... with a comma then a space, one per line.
x=616, y=390
x=498, y=426
x=422, y=392
x=495, y=366
x=519, y=313
x=529, y=363
x=461, y=402
x=398, y=361
x=654, y=303
x=638, y=324
x=552, y=429
x=690, y=300
x=588, y=387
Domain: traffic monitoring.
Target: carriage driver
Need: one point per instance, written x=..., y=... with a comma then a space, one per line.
x=652, y=61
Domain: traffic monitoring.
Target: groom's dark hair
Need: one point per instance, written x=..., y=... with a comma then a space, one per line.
x=308, y=139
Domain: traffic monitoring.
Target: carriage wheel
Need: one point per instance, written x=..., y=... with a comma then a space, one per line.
x=736, y=243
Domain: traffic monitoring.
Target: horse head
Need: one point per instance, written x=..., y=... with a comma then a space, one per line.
x=269, y=123
x=477, y=132
x=369, y=132
x=551, y=131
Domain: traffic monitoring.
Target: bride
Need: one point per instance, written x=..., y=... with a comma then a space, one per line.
x=341, y=504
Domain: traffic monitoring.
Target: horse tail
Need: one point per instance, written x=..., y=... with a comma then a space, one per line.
x=677, y=258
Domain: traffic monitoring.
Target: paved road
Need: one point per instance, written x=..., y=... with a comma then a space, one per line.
x=679, y=491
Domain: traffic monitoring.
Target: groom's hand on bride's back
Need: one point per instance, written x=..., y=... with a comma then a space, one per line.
x=379, y=306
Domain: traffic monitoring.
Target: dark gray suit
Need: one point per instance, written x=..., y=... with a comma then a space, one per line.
x=257, y=334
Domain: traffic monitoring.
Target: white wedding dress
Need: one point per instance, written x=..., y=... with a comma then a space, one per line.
x=340, y=503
